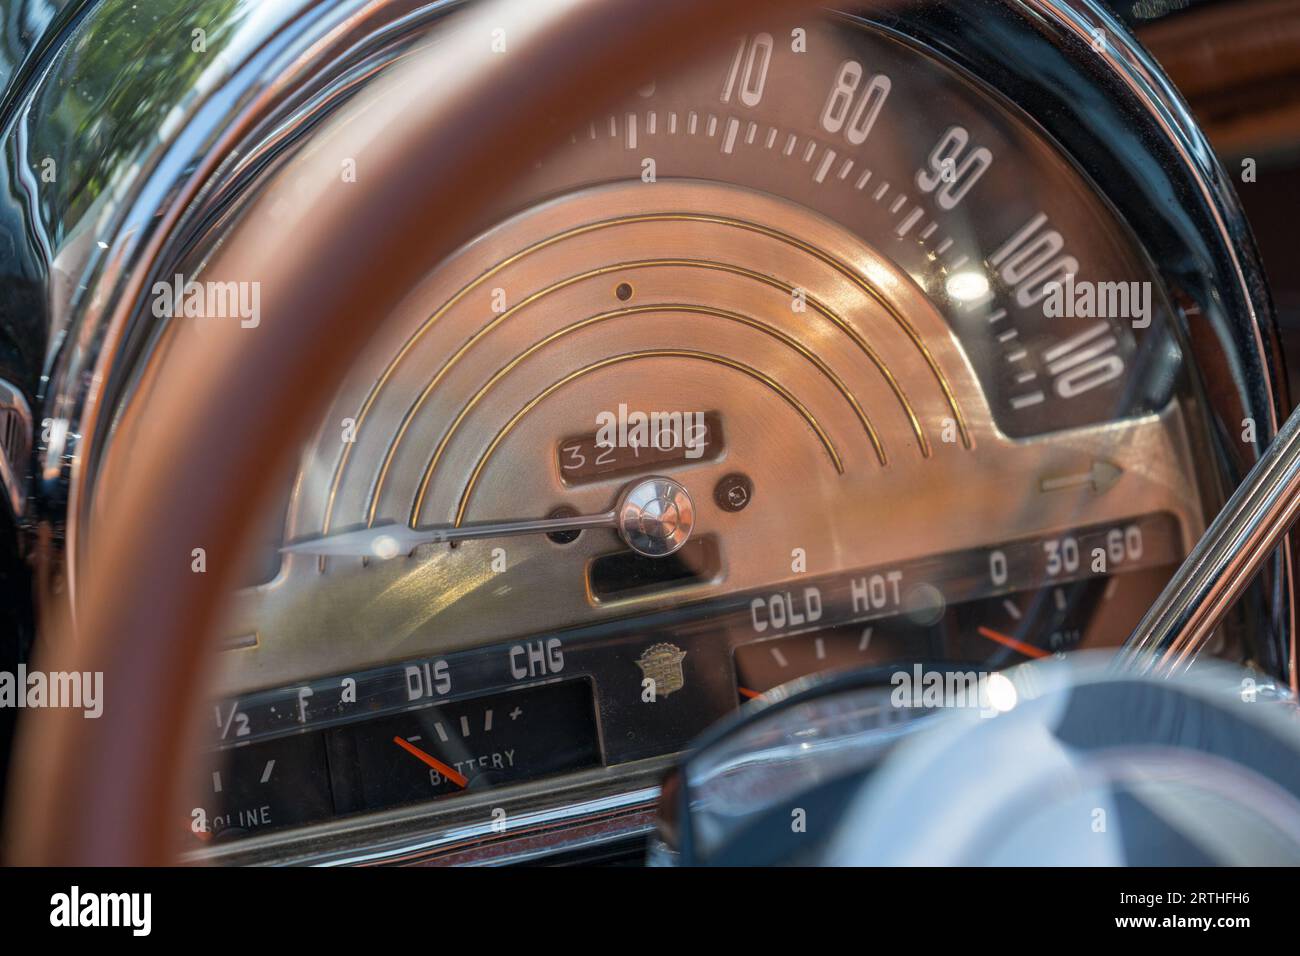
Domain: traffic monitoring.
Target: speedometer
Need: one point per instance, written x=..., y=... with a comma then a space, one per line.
x=820, y=354
x=961, y=194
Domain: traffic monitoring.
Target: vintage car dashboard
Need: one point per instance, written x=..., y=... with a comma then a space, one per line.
x=885, y=334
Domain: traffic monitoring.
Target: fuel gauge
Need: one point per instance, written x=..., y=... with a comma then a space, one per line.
x=263, y=786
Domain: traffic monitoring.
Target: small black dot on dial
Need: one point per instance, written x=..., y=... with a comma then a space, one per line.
x=563, y=537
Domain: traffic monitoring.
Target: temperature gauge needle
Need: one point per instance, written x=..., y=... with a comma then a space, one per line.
x=1027, y=649
x=459, y=779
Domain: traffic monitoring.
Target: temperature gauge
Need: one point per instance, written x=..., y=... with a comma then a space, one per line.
x=762, y=665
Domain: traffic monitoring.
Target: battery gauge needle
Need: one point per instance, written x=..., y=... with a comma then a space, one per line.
x=1005, y=639
x=654, y=517
x=459, y=779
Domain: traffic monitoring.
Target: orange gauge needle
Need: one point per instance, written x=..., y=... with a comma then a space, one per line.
x=459, y=779
x=1027, y=649
x=751, y=694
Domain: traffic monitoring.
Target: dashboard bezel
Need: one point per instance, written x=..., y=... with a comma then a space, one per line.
x=1180, y=202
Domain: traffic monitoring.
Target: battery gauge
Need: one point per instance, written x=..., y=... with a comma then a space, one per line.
x=449, y=749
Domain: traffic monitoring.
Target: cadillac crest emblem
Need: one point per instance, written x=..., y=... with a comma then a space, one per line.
x=662, y=663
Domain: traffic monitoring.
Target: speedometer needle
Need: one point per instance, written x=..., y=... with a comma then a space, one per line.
x=654, y=517
x=388, y=541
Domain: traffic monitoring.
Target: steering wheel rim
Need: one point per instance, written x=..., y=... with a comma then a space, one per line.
x=100, y=792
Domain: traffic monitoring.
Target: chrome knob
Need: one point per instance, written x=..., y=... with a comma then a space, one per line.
x=655, y=517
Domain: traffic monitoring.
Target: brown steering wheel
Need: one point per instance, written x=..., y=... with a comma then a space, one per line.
x=93, y=792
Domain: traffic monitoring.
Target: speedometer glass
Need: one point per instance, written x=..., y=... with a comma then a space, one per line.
x=816, y=355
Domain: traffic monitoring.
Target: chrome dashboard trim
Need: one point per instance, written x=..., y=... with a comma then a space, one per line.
x=585, y=810
x=266, y=55
x=1224, y=561
x=1141, y=74
x=1257, y=516
x=15, y=444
